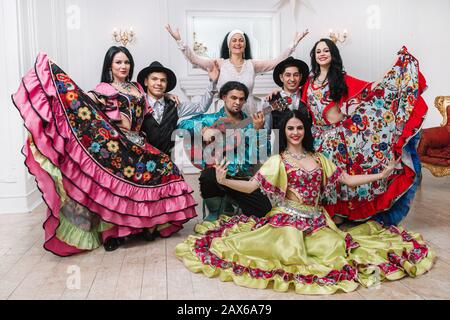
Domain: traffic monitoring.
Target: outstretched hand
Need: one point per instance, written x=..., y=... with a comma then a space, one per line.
x=175, y=34
x=389, y=168
x=221, y=170
x=214, y=72
x=258, y=120
x=299, y=36
x=174, y=98
x=272, y=94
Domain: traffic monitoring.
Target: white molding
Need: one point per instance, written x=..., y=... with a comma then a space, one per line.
x=18, y=192
x=9, y=173
x=190, y=169
x=59, y=32
x=20, y=203
x=190, y=15
x=28, y=39
x=19, y=196
x=28, y=48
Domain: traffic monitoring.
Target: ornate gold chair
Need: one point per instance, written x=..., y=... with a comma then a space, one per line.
x=434, y=146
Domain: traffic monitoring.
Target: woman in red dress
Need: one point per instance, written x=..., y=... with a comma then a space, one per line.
x=361, y=126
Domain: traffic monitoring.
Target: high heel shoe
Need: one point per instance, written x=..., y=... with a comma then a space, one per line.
x=113, y=244
x=149, y=235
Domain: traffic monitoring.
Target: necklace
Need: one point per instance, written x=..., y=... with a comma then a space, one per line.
x=320, y=82
x=127, y=87
x=297, y=156
x=237, y=65
x=123, y=85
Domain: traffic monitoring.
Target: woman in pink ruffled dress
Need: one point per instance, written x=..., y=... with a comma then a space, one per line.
x=99, y=178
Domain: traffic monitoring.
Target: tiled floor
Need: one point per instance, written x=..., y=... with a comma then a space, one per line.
x=151, y=271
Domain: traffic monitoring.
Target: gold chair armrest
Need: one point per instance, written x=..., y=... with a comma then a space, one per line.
x=441, y=103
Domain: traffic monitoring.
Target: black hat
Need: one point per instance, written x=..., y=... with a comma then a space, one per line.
x=279, y=69
x=158, y=67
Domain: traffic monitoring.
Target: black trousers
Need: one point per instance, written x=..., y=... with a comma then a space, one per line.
x=254, y=204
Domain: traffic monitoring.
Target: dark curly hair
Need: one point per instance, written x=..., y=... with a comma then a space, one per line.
x=303, y=116
x=233, y=85
x=338, y=87
x=225, y=51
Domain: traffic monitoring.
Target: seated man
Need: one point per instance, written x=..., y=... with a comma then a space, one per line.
x=290, y=75
x=234, y=94
x=161, y=121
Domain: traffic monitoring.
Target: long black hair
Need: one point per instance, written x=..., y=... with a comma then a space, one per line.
x=338, y=87
x=303, y=116
x=225, y=51
x=107, y=63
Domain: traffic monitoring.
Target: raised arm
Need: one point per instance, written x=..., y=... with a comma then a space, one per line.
x=269, y=65
x=186, y=109
x=361, y=179
x=96, y=99
x=190, y=55
x=238, y=185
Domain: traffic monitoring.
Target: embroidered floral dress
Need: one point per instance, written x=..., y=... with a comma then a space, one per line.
x=380, y=121
x=297, y=245
x=97, y=180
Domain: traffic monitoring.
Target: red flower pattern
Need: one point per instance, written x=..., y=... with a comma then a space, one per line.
x=202, y=251
x=97, y=127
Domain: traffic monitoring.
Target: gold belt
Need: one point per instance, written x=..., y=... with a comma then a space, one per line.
x=301, y=210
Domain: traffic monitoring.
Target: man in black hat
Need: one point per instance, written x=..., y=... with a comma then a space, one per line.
x=290, y=74
x=161, y=121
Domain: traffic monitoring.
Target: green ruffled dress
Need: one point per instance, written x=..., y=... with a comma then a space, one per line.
x=297, y=245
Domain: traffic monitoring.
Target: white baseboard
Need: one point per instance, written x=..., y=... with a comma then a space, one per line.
x=190, y=170
x=21, y=204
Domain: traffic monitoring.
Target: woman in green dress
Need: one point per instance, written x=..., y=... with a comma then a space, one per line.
x=297, y=244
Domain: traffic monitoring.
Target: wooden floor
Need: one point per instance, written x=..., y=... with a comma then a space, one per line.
x=151, y=271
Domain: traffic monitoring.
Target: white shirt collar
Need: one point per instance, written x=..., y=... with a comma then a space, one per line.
x=152, y=101
x=292, y=95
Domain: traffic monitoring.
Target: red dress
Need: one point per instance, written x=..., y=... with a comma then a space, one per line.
x=378, y=123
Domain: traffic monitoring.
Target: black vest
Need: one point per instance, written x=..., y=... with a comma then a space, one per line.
x=277, y=115
x=160, y=135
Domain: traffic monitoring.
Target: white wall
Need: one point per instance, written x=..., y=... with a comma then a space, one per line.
x=30, y=26
x=88, y=44
x=18, y=192
x=422, y=26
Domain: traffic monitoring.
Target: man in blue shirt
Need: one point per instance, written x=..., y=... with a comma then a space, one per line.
x=244, y=159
